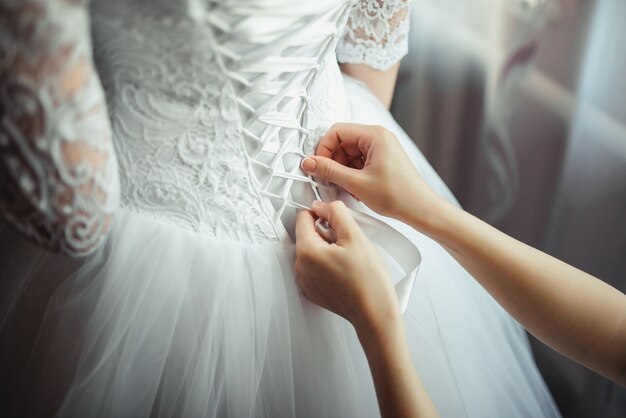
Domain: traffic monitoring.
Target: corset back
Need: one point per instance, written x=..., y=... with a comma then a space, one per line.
x=213, y=104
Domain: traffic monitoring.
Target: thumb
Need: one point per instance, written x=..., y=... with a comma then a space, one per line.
x=330, y=170
x=339, y=218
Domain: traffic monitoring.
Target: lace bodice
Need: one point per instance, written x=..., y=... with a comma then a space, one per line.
x=211, y=105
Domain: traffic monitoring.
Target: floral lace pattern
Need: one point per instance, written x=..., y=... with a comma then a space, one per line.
x=176, y=112
x=376, y=33
x=175, y=120
x=58, y=175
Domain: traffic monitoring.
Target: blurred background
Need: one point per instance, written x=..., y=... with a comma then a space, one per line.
x=520, y=105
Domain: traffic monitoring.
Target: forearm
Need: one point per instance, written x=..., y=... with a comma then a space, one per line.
x=573, y=312
x=380, y=83
x=349, y=278
x=399, y=390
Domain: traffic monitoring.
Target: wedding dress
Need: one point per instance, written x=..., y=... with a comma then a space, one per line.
x=171, y=176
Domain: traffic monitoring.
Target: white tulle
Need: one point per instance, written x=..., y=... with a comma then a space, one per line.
x=165, y=322
x=474, y=358
x=191, y=307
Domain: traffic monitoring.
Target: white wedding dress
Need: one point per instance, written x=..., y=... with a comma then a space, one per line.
x=172, y=178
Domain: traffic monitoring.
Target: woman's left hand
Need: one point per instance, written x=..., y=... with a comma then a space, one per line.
x=347, y=277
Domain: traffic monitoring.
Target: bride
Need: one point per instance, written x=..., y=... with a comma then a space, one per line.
x=164, y=176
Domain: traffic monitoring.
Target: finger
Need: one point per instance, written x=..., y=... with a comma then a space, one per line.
x=356, y=163
x=306, y=234
x=326, y=169
x=341, y=157
x=352, y=150
x=354, y=138
x=339, y=218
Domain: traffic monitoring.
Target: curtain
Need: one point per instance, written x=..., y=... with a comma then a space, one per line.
x=521, y=108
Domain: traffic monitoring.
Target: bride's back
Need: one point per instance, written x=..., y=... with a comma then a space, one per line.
x=212, y=105
x=212, y=102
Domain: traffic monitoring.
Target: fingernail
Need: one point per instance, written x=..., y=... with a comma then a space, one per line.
x=308, y=165
x=317, y=203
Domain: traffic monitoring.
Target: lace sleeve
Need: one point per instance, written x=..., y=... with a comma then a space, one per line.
x=58, y=173
x=376, y=33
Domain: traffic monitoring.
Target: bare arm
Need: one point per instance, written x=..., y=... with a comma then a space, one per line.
x=380, y=83
x=569, y=310
x=349, y=278
x=572, y=311
x=375, y=40
x=399, y=390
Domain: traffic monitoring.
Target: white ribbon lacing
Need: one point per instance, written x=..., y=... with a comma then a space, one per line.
x=274, y=76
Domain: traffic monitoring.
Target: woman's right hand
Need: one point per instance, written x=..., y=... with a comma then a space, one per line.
x=370, y=163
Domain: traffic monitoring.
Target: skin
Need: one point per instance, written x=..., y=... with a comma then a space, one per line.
x=350, y=279
x=380, y=83
x=573, y=312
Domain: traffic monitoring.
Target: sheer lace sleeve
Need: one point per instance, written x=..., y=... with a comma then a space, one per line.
x=58, y=173
x=376, y=33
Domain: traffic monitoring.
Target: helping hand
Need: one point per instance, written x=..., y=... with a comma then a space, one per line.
x=369, y=163
x=348, y=277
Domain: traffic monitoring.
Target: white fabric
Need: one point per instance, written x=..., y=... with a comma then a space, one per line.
x=52, y=109
x=484, y=366
x=191, y=307
x=399, y=250
x=376, y=34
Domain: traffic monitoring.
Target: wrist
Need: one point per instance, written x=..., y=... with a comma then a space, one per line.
x=427, y=215
x=437, y=218
x=377, y=325
x=380, y=338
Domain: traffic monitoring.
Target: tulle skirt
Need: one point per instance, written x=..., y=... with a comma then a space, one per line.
x=166, y=322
